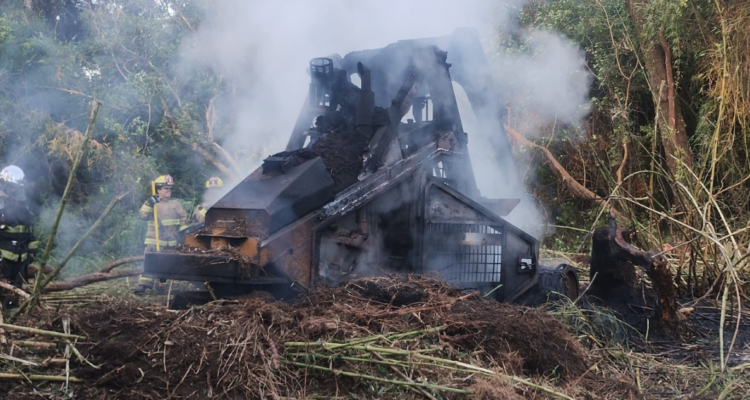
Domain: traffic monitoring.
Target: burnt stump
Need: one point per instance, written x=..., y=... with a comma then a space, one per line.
x=613, y=277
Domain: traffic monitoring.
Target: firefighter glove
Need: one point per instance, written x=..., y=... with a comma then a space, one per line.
x=153, y=200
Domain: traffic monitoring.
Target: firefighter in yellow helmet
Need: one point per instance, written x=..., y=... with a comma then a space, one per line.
x=172, y=219
x=213, y=186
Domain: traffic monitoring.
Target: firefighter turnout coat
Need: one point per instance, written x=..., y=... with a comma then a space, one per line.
x=17, y=242
x=172, y=219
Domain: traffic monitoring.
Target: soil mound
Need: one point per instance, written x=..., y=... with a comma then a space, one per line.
x=332, y=341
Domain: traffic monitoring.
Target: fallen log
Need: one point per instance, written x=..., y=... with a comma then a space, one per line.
x=48, y=269
x=104, y=274
x=89, y=279
x=127, y=260
x=613, y=275
x=34, y=269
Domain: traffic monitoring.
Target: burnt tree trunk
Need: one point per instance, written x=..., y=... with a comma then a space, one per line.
x=613, y=261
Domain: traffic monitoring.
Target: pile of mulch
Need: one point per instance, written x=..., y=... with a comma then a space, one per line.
x=234, y=227
x=259, y=349
x=342, y=153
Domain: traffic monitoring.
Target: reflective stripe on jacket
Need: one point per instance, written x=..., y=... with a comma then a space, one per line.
x=172, y=219
x=17, y=241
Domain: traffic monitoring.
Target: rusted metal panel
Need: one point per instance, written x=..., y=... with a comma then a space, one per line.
x=290, y=251
x=182, y=265
x=193, y=241
x=249, y=248
x=218, y=242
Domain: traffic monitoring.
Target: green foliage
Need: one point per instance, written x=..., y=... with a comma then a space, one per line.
x=705, y=44
x=125, y=55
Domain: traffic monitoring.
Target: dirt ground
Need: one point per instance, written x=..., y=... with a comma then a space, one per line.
x=400, y=337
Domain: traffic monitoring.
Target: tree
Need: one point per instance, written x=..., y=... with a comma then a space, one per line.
x=659, y=68
x=55, y=57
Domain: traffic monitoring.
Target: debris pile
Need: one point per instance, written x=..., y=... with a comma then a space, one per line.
x=233, y=227
x=342, y=152
x=405, y=337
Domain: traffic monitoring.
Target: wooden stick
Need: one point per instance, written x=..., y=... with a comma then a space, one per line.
x=41, y=332
x=721, y=326
x=210, y=290
x=69, y=296
x=30, y=343
x=49, y=378
x=18, y=360
x=49, y=361
x=169, y=293
x=15, y=290
x=3, y=339
x=80, y=356
x=156, y=217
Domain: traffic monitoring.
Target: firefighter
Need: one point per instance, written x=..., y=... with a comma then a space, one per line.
x=17, y=242
x=213, y=184
x=172, y=219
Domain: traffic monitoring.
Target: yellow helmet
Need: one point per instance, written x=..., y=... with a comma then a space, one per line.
x=214, y=182
x=164, y=181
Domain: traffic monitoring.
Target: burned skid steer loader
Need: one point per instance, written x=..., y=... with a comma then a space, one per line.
x=359, y=193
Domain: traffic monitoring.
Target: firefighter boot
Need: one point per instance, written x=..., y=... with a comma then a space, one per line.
x=144, y=283
x=141, y=289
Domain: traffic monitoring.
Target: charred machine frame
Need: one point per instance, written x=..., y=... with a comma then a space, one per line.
x=362, y=191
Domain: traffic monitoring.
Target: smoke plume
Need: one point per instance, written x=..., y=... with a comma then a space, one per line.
x=263, y=49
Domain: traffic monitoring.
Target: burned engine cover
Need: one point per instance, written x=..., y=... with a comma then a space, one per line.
x=273, y=200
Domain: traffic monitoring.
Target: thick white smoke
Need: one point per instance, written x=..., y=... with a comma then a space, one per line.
x=263, y=49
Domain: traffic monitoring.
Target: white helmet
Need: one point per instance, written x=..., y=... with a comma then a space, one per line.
x=12, y=174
